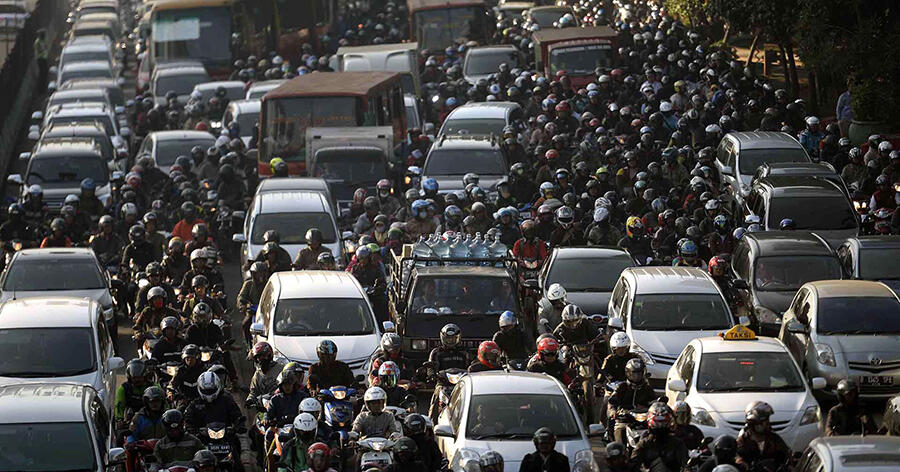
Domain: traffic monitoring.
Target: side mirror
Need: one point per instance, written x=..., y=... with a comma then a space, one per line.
x=360, y=378
x=796, y=327
x=727, y=170
x=37, y=116
x=32, y=136
x=51, y=86
x=616, y=323
x=53, y=71
x=596, y=430
x=125, y=132
x=34, y=129
x=116, y=363
x=16, y=179
x=443, y=430
x=818, y=383
x=388, y=327
x=239, y=238
x=347, y=235
x=120, y=109
x=531, y=283
x=740, y=284
x=120, y=81
x=677, y=385
x=115, y=456
x=257, y=329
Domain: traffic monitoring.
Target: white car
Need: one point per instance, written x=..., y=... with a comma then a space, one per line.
x=299, y=309
x=719, y=376
x=500, y=411
x=664, y=308
x=246, y=113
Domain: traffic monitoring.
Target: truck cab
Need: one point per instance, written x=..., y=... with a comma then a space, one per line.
x=577, y=51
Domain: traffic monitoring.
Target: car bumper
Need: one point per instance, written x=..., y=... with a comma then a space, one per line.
x=866, y=392
x=796, y=437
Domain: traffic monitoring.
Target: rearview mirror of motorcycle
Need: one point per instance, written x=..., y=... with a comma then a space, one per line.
x=531, y=283
x=616, y=323
x=257, y=329
x=443, y=430
x=347, y=235
x=677, y=385
x=740, y=284
x=389, y=327
x=596, y=430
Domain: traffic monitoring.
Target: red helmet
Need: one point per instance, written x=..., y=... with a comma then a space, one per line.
x=551, y=154
x=262, y=348
x=547, y=346
x=716, y=262
x=563, y=106
x=560, y=74
x=489, y=354
x=659, y=417
x=637, y=123
x=201, y=126
x=616, y=73
x=318, y=448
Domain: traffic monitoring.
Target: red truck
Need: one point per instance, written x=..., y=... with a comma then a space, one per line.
x=578, y=51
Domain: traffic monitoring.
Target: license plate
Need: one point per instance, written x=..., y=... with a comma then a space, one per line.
x=219, y=448
x=876, y=380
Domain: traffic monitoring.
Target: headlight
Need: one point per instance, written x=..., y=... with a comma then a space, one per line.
x=419, y=344
x=703, y=418
x=825, y=355
x=641, y=352
x=767, y=316
x=213, y=434
x=811, y=415
x=108, y=313
x=584, y=462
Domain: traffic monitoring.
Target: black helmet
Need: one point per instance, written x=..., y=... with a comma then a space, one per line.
x=205, y=458
x=271, y=236
x=190, y=350
x=153, y=392
x=406, y=445
x=635, y=370
x=544, y=436
x=199, y=281
x=450, y=335
x=326, y=347
x=135, y=368
x=724, y=448
x=137, y=233
x=414, y=424
x=154, y=268
x=173, y=420
x=847, y=390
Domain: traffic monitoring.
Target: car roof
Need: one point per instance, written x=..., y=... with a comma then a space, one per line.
x=175, y=135
x=712, y=344
x=788, y=243
x=70, y=145
x=292, y=201
x=887, y=241
x=86, y=65
x=270, y=84
x=246, y=106
x=483, y=110
x=79, y=92
x=80, y=108
x=594, y=252
x=552, y=8
x=220, y=83
x=461, y=271
x=276, y=184
x=799, y=168
x=86, y=46
x=42, y=403
x=61, y=128
x=799, y=185
x=491, y=48
x=47, y=312
x=504, y=383
x=465, y=141
x=180, y=70
x=876, y=452
x=850, y=288
x=316, y=284
x=764, y=140
x=56, y=253
x=670, y=280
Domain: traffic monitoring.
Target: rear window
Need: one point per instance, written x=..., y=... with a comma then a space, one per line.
x=474, y=126
x=167, y=150
x=813, y=213
x=462, y=161
x=489, y=62
x=293, y=226
x=753, y=158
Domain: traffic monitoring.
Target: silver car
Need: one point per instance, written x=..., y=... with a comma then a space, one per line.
x=851, y=453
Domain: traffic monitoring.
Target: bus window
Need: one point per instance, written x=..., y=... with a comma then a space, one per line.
x=193, y=33
x=286, y=120
x=439, y=28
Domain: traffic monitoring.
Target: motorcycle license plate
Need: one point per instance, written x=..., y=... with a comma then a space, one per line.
x=219, y=448
x=876, y=380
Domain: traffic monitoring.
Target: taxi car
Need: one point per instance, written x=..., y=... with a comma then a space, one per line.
x=719, y=376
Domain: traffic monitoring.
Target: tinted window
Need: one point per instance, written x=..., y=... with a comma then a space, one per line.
x=180, y=84
x=488, y=62
x=46, y=352
x=167, y=150
x=442, y=27
x=753, y=158
x=193, y=33
x=812, y=213
x=104, y=121
x=879, y=264
x=518, y=416
x=463, y=161
x=85, y=74
x=474, y=126
x=679, y=312
x=545, y=18
x=286, y=120
x=748, y=372
x=53, y=274
x=858, y=315
x=292, y=226
x=72, y=169
x=82, y=56
x=583, y=274
x=463, y=295
x=790, y=272
x=28, y=447
x=580, y=60
x=320, y=317
x=356, y=166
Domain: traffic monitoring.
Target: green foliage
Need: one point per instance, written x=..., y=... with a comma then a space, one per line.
x=690, y=12
x=871, y=100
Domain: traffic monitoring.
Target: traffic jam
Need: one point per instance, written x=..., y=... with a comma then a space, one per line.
x=439, y=236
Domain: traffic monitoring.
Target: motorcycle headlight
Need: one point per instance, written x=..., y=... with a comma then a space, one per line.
x=767, y=316
x=641, y=352
x=214, y=434
x=703, y=418
x=584, y=462
x=419, y=344
x=205, y=356
x=825, y=355
x=810, y=415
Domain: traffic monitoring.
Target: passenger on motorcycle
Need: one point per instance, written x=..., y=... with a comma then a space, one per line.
x=329, y=371
x=178, y=447
x=57, y=236
x=758, y=447
x=200, y=266
x=325, y=261
x=613, y=368
x=168, y=347
x=200, y=287
x=139, y=252
x=724, y=452
x=415, y=427
x=281, y=257
x=175, y=264
x=514, y=343
x=689, y=434
x=545, y=458
x=633, y=394
x=199, y=238
x=308, y=256
x=155, y=275
x=293, y=451
x=388, y=377
x=203, y=333
x=249, y=296
x=88, y=201
x=205, y=461
x=183, y=387
x=152, y=315
x=129, y=395
x=547, y=361
x=660, y=447
x=366, y=271
x=284, y=404
x=847, y=417
x=147, y=422
x=189, y=218
x=530, y=252
x=265, y=376
x=617, y=458
x=319, y=458
x=488, y=358
x=373, y=420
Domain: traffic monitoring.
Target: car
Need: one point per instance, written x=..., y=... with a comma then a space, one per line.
x=111, y=18
x=246, y=113
x=290, y=206
x=101, y=6
x=145, y=73
x=94, y=28
x=258, y=89
x=840, y=328
x=83, y=70
x=516, y=404
x=61, y=97
x=36, y=418
x=512, y=10
x=58, y=339
x=812, y=203
x=86, y=51
x=547, y=16
x=587, y=273
x=112, y=87
x=808, y=169
x=234, y=89
x=166, y=146
x=451, y=157
x=851, y=453
x=719, y=376
x=482, y=61
x=59, y=165
x=769, y=267
x=92, y=130
x=87, y=112
x=662, y=309
x=872, y=258
x=482, y=119
x=13, y=14
x=299, y=309
x=180, y=80
x=739, y=154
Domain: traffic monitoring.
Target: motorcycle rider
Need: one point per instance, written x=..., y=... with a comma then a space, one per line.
x=284, y=404
x=551, y=306
x=545, y=458
x=88, y=202
x=449, y=355
x=633, y=394
x=512, y=340
x=265, y=376
x=147, y=422
x=57, y=236
x=155, y=275
x=689, y=434
x=183, y=387
x=294, y=450
x=613, y=367
x=724, y=451
x=175, y=264
x=373, y=420
x=530, y=251
x=365, y=270
x=319, y=457
x=139, y=252
x=189, y=218
x=129, y=395
x=388, y=203
x=488, y=358
x=205, y=461
x=307, y=257
x=107, y=245
x=153, y=314
x=168, y=347
x=421, y=224
x=249, y=295
x=16, y=227
x=281, y=257
x=406, y=459
x=757, y=443
x=660, y=447
x=390, y=349
x=415, y=427
x=213, y=407
x=204, y=333
x=199, y=266
x=547, y=361
x=178, y=446
x=575, y=327
x=329, y=371
x=847, y=417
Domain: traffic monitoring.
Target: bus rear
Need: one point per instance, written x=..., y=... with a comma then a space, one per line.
x=436, y=24
x=193, y=29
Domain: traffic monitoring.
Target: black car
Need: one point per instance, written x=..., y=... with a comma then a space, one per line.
x=587, y=273
x=872, y=258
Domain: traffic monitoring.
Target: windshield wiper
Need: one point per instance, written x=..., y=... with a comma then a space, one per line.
x=503, y=436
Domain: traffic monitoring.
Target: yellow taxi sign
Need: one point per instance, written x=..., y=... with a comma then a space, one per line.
x=738, y=333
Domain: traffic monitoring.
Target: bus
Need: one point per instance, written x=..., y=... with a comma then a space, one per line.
x=283, y=25
x=437, y=24
x=193, y=30
x=330, y=99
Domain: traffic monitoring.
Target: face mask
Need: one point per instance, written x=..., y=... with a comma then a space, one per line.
x=158, y=303
x=759, y=428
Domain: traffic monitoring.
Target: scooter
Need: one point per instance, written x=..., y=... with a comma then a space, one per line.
x=337, y=403
x=218, y=439
x=375, y=453
x=446, y=381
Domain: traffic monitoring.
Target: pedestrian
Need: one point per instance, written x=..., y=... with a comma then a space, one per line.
x=843, y=111
x=41, y=53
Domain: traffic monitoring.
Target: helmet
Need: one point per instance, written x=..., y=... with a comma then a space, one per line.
x=388, y=374
x=725, y=468
x=634, y=226
x=724, y=447
x=635, y=370
x=489, y=354
x=507, y=318
x=173, y=420
x=615, y=449
x=565, y=216
x=375, y=399
x=845, y=388
x=318, y=449
x=208, y=386
x=190, y=350
x=716, y=263
x=758, y=411
x=414, y=424
x=491, y=461
x=682, y=413
x=262, y=350
x=314, y=235
x=152, y=393
x=688, y=248
x=305, y=426
x=572, y=315
x=326, y=349
x=58, y=224
x=311, y=405
x=787, y=224
x=205, y=458
x=547, y=346
x=544, y=436
x=199, y=281
x=390, y=342
x=659, y=417
x=405, y=445
x=556, y=292
x=201, y=313
x=136, y=233
x=135, y=368
x=619, y=340
x=450, y=335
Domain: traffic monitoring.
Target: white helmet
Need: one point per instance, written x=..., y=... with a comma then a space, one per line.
x=208, y=386
x=310, y=405
x=725, y=468
x=305, y=422
x=618, y=340
x=812, y=120
x=556, y=292
x=374, y=394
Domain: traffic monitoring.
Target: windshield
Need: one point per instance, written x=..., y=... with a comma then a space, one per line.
x=350, y=167
x=813, y=213
x=167, y=150
x=679, y=312
x=753, y=158
x=321, y=317
x=488, y=62
x=748, y=371
x=858, y=315
x=29, y=274
x=292, y=226
x=286, y=119
x=442, y=27
x=25, y=447
x=518, y=416
x=879, y=264
x=580, y=60
x=463, y=295
x=46, y=352
x=195, y=33
x=474, y=126
x=63, y=98
x=546, y=18
x=788, y=273
x=180, y=84
x=66, y=170
x=247, y=123
x=582, y=274
x=463, y=161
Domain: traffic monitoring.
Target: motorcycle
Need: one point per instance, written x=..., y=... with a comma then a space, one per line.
x=375, y=453
x=10, y=248
x=136, y=453
x=337, y=405
x=636, y=421
x=446, y=381
x=583, y=358
x=218, y=439
x=276, y=438
x=148, y=340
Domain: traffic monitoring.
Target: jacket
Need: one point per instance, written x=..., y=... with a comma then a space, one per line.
x=628, y=397
x=145, y=426
x=284, y=407
x=294, y=456
x=264, y=382
x=669, y=449
x=613, y=367
x=223, y=409
x=515, y=344
x=168, y=450
x=844, y=420
x=381, y=425
x=336, y=373
x=748, y=453
x=554, y=462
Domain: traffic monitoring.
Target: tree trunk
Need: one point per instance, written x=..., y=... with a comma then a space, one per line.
x=786, y=68
x=753, y=45
x=813, y=93
x=795, y=81
x=727, y=31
